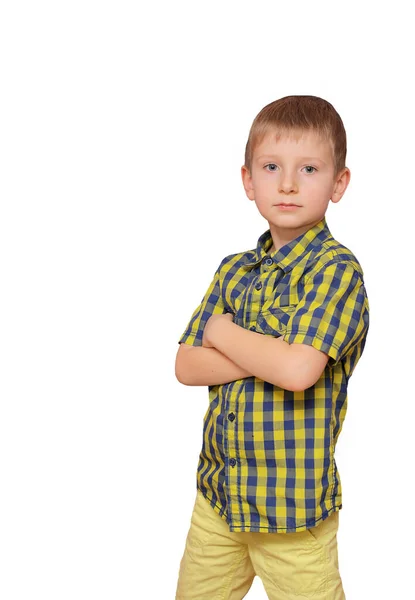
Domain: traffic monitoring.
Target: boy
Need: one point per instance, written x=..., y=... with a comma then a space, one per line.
x=276, y=338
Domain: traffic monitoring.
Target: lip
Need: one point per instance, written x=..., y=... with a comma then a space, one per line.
x=282, y=205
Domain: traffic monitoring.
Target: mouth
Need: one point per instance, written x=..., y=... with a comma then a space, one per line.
x=287, y=205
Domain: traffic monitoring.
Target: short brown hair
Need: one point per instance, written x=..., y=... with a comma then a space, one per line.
x=299, y=113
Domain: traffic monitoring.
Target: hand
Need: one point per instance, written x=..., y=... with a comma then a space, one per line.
x=206, y=343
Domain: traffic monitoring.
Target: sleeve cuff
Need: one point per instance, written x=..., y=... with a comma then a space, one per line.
x=190, y=339
x=304, y=337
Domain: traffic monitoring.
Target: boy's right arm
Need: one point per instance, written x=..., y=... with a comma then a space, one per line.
x=197, y=365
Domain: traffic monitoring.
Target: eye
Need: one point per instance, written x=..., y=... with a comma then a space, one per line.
x=310, y=167
x=271, y=165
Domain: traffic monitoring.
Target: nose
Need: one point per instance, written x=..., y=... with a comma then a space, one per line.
x=287, y=183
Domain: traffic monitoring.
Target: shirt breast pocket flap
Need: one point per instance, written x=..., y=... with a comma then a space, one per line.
x=274, y=320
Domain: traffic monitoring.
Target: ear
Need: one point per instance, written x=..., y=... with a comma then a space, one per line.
x=247, y=182
x=341, y=182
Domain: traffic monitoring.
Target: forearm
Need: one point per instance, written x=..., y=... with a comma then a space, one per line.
x=268, y=358
x=207, y=366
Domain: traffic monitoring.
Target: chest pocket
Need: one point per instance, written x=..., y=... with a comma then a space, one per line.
x=273, y=321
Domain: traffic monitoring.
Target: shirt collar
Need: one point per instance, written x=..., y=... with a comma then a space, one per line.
x=289, y=254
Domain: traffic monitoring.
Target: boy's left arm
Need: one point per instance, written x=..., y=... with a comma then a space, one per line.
x=292, y=367
x=331, y=317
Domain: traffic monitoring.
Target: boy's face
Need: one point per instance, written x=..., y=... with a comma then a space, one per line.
x=293, y=170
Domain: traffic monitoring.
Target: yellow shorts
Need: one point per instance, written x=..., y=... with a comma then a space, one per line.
x=218, y=564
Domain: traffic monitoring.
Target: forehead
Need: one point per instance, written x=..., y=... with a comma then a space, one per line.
x=295, y=143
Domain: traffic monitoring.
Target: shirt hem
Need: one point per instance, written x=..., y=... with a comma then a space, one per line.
x=247, y=527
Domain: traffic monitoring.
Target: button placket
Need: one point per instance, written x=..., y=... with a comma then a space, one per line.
x=231, y=439
x=232, y=459
x=230, y=432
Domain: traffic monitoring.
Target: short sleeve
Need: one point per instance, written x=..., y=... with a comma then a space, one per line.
x=211, y=303
x=333, y=313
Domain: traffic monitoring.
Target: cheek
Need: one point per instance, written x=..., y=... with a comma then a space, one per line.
x=260, y=182
x=317, y=189
x=264, y=190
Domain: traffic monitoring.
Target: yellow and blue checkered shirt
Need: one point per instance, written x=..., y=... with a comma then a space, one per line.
x=267, y=460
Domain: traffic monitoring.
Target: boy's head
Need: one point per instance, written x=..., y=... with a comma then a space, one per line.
x=295, y=154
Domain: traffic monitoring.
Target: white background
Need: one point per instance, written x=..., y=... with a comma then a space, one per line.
x=123, y=130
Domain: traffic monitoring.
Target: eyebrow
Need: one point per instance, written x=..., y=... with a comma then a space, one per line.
x=303, y=158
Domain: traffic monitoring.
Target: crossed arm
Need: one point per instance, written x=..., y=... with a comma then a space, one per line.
x=230, y=352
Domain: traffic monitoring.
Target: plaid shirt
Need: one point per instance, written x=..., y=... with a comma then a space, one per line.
x=267, y=460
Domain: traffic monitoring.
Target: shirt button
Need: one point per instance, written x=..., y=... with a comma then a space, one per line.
x=231, y=416
x=268, y=261
x=258, y=285
x=253, y=328
x=232, y=462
